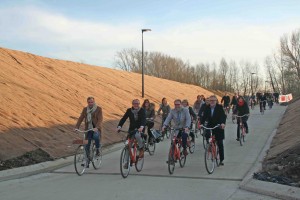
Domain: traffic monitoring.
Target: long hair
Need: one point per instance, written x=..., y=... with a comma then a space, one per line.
x=145, y=101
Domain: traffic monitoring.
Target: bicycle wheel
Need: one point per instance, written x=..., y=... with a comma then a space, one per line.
x=204, y=140
x=171, y=161
x=192, y=147
x=244, y=134
x=139, y=163
x=217, y=155
x=151, y=146
x=97, y=159
x=195, y=129
x=125, y=162
x=80, y=160
x=241, y=135
x=182, y=159
x=209, y=159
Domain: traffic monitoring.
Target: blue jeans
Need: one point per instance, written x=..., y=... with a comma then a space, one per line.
x=91, y=135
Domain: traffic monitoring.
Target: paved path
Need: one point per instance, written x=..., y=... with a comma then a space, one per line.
x=154, y=182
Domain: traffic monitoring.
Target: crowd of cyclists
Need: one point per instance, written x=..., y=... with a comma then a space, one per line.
x=206, y=111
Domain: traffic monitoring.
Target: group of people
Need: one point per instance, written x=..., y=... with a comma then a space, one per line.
x=182, y=116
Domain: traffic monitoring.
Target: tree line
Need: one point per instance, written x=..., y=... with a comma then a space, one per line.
x=227, y=75
x=283, y=66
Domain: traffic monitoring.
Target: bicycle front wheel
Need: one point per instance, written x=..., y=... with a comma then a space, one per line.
x=125, y=162
x=209, y=159
x=182, y=159
x=139, y=163
x=151, y=146
x=192, y=147
x=241, y=136
x=80, y=160
x=171, y=160
x=97, y=159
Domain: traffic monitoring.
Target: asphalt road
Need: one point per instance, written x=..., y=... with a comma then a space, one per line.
x=154, y=181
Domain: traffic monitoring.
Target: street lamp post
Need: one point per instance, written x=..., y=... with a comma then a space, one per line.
x=251, y=83
x=143, y=30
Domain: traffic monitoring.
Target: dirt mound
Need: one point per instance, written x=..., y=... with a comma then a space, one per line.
x=283, y=158
x=41, y=99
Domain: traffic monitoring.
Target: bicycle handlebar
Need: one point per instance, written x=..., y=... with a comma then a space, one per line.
x=242, y=115
x=210, y=128
x=80, y=131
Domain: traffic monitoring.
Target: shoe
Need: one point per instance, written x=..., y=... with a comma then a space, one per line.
x=237, y=139
x=185, y=152
x=221, y=163
x=125, y=166
x=141, y=154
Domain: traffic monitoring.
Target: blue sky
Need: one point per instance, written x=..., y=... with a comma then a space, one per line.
x=196, y=31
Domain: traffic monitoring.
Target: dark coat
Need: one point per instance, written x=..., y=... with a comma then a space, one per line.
x=134, y=124
x=218, y=117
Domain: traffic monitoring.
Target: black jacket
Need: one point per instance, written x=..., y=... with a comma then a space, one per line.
x=226, y=100
x=242, y=110
x=218, y=117
x=192, y=113
x=201, y=111
x=134, y=124
x=233, y=101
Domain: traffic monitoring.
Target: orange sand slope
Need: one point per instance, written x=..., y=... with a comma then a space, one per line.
x=42, y=98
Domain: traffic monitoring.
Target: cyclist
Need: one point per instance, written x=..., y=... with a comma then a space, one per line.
x=214, y=114
x=242, y=109
x=225, y=100
x=201, y=111
x=185, y=104
x=165, y=108
x=198, y=103
x=262, y=102
x=270, y=101
x=93, y=118
x=150, y=116
x=234, y=103
x=137, y=119
x=182, y=120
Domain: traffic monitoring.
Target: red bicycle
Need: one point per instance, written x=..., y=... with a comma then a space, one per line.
x=176, y=151
x=129, y=155
x=242, y=129
x=211, y=155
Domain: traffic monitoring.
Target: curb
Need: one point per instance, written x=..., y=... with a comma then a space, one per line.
x=48, y=166
x=268, y=188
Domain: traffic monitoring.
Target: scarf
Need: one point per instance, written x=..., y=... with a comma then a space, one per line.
x=135, y=113
x=89, y=112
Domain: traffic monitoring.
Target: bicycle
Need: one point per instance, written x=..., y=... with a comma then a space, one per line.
x=176, y=151
x=82, y=158
x=150, y=145
x=129, y=155
x=262, y=107
x=233, y=114
x=166, y=133
x=242, y=130
x=211, y=155
x=196, y=128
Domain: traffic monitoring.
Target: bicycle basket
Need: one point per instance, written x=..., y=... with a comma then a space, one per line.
x=79, y=141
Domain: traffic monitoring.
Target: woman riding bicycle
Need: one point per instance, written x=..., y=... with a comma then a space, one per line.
x=182, y=121
x=185, y=104
x=165, y=108
x=242, y=109
x=137, y=119
x=92, y=116
x=150, y=116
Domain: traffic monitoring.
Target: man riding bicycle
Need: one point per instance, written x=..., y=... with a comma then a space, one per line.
x=92, y=116
x=137, y=119
x=182, y=120
x=242, y=109
x=225, y=101
x=262, y=102
x=214, y=115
